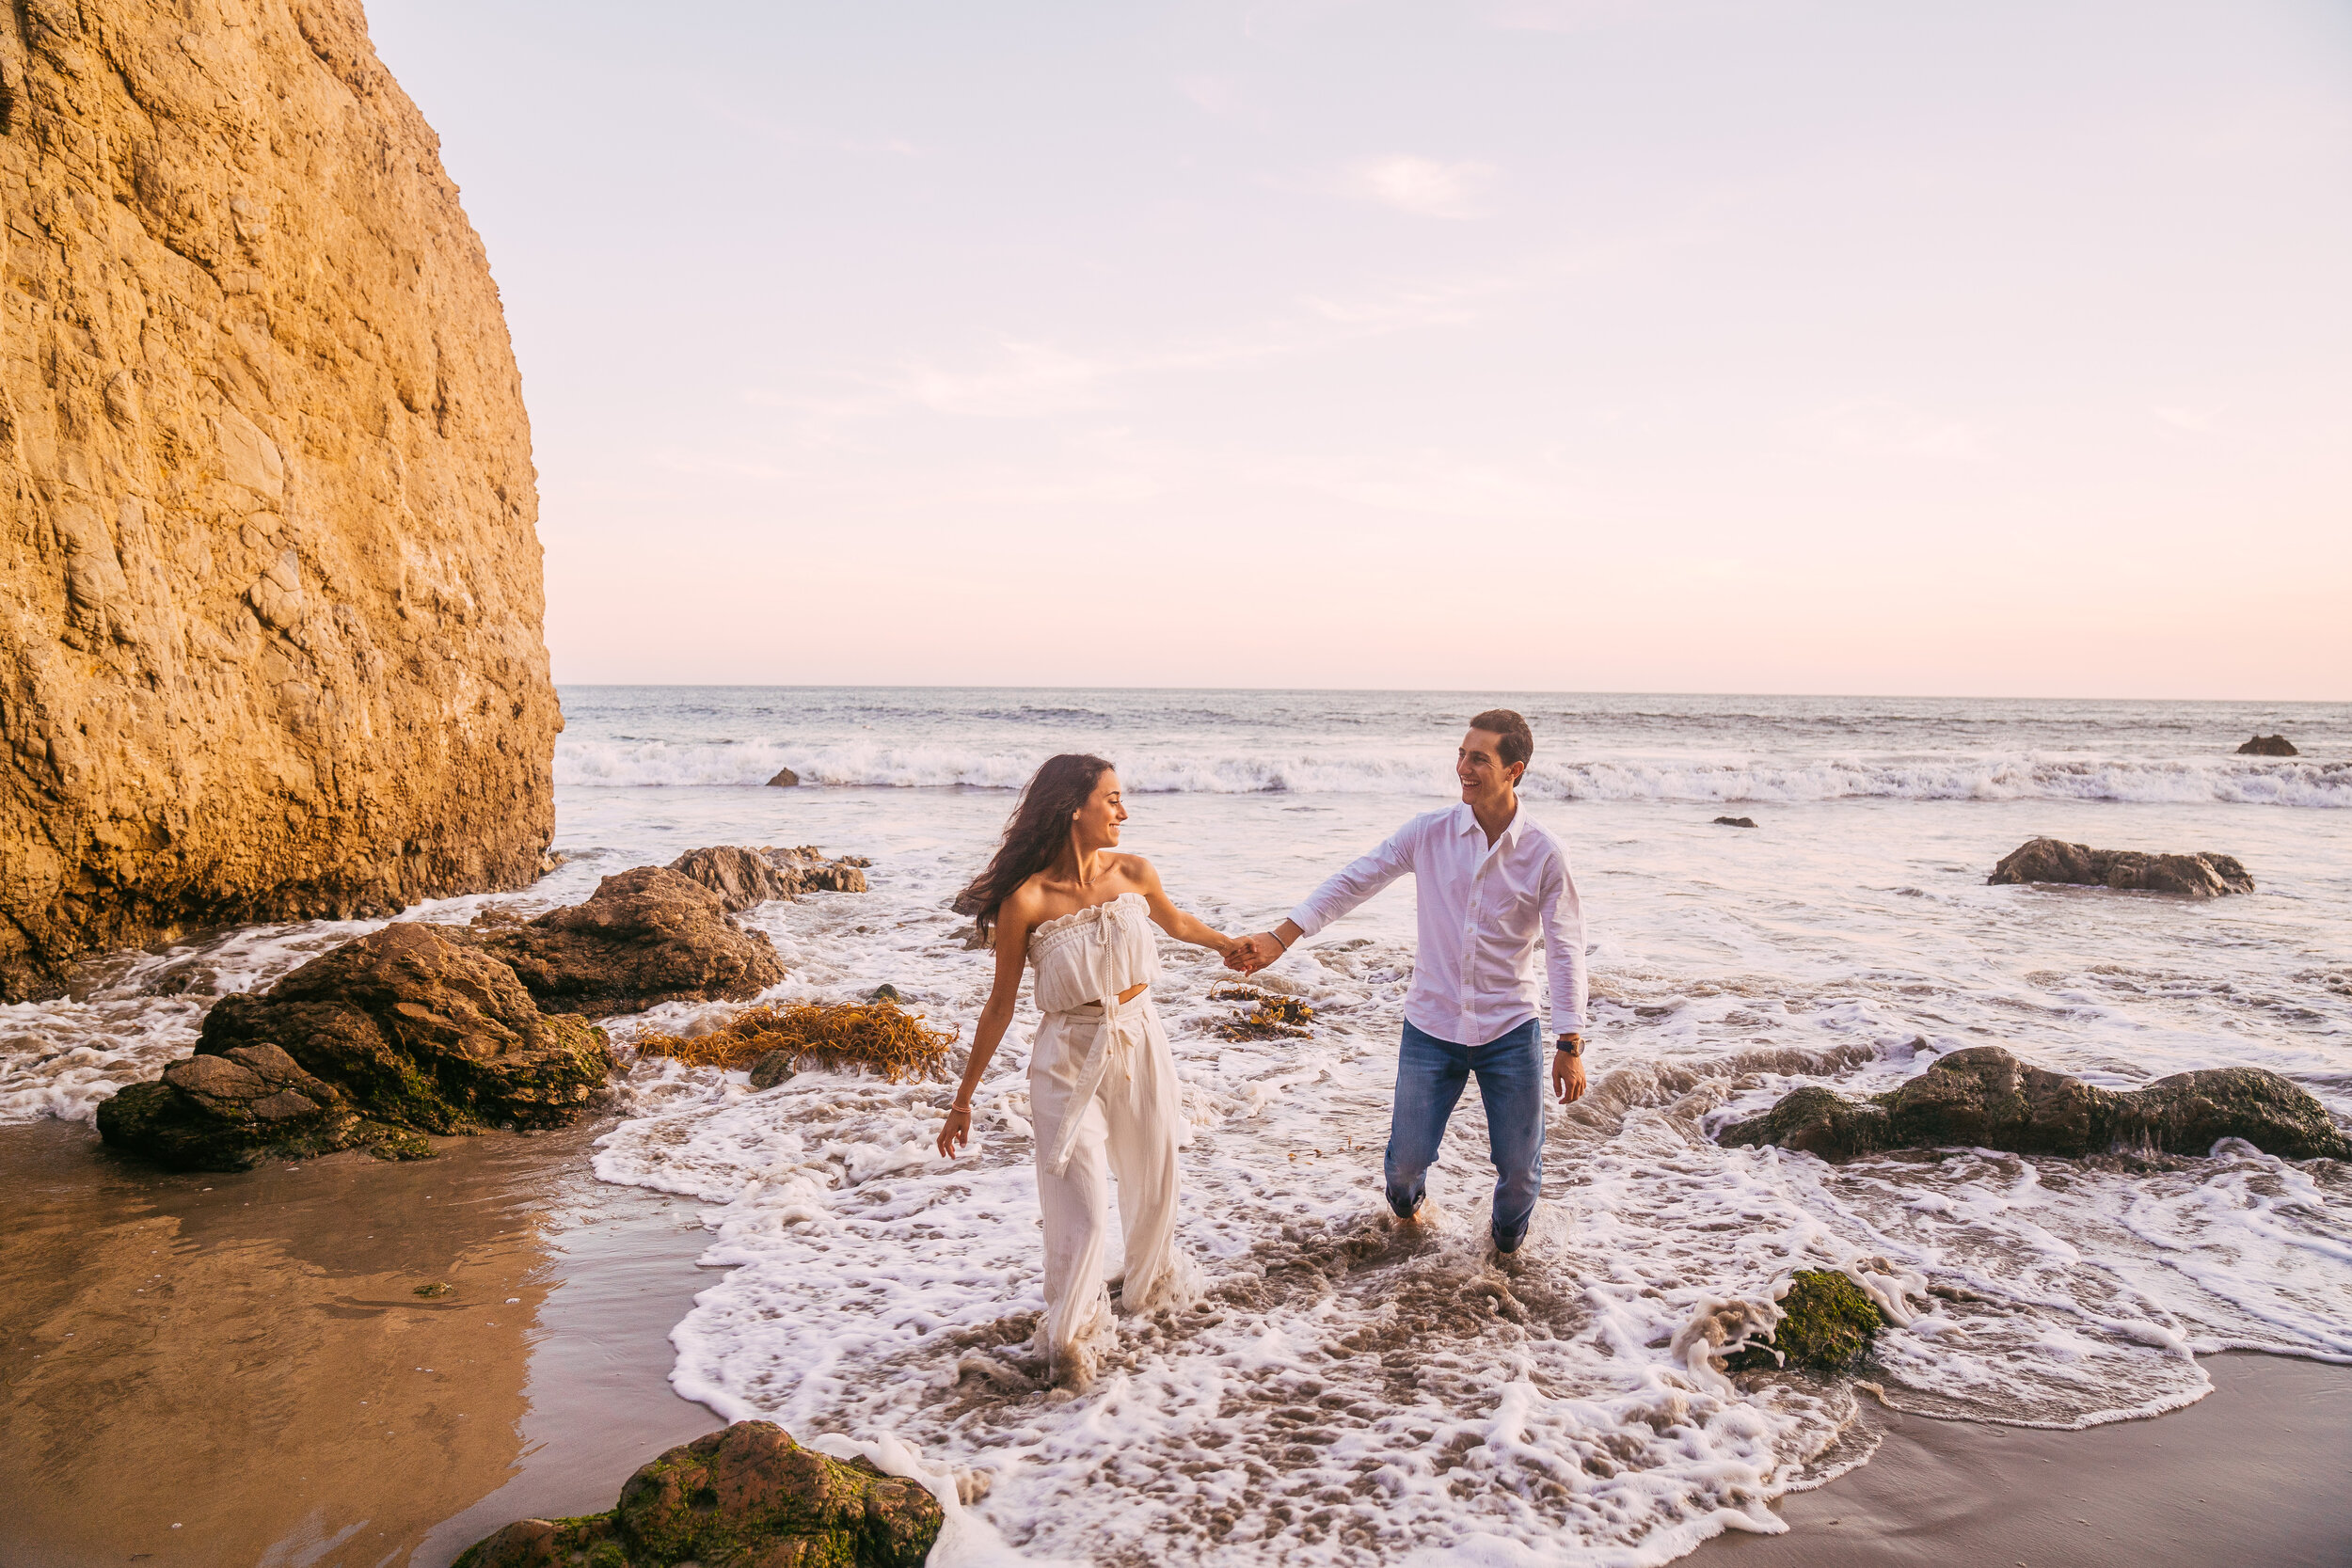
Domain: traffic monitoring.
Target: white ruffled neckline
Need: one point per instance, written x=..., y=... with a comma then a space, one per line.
x=1079, y=917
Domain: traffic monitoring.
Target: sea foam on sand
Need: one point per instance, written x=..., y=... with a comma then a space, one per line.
x=1350, y=1392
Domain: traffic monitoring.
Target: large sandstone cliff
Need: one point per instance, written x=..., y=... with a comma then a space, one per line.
x=270, y=640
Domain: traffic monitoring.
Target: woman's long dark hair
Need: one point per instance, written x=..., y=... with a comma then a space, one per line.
x=1039, y=832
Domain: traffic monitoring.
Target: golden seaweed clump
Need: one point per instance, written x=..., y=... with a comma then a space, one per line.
x=1271, y=1015
x=881, y=1036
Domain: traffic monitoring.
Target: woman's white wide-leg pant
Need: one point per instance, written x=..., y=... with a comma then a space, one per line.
x=1104, y=1104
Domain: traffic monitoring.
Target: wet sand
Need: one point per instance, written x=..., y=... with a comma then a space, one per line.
x=217, y=1369
x=231, y=1370
x=2258, y=1471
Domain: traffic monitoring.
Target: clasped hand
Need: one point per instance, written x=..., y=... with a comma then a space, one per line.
x=1252, y=953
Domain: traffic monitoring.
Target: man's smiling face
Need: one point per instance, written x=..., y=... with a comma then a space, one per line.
x=1478, y=763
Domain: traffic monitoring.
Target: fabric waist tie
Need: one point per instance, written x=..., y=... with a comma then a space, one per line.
x=1118, y=1030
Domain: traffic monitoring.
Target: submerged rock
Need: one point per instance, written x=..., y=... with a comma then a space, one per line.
x=1984, y=1097
x=1827, y=1322
x=2268, y=745
x=405, y=1031
x=2048, y=860
x=644, y=937
x=1735, y=822
x=746, y=1494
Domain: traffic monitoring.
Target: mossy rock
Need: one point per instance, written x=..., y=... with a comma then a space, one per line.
x=1828, y=1325
x=747, y=1495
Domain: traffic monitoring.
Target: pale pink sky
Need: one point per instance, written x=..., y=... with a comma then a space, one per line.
x=1996, y=349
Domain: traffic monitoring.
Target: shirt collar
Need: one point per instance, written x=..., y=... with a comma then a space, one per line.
x=1466, y=821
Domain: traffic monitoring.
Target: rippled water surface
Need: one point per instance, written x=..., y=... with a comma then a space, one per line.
x=1343, y=1393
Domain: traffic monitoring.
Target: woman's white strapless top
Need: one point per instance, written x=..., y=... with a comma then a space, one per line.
x=1083, y=961
x=1095, y=954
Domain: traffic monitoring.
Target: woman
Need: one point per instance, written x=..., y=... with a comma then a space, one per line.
x=1102, y=1081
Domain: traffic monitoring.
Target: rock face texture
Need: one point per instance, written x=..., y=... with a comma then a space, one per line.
x=2268, y=745
x=270, y=632
x=2048, y=860
x=744, y=878
x=746, y=1494
x=644, y=937
x=1984, y=1097
x=404, y=1029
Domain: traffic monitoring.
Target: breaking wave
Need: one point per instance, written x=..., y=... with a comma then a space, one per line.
x=1323, y=770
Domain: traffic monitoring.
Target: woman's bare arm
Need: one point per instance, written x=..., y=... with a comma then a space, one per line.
x=1013, y=948
x=1167, y=917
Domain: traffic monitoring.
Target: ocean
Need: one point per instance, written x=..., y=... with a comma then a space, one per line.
x=1344, y=1394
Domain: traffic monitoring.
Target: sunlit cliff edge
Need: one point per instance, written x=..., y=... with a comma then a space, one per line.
x=270, y=634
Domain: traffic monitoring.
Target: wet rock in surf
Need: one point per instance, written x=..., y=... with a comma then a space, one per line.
x=1984, y=1097
x=401, y=1032
x=808, y=870
x=785, y=779
x=2048, y=860
x=644, y=937
x=744, y=878
x=2268, y=745
x=1827, y=1322
x=747, y=1494
x=1735, y=822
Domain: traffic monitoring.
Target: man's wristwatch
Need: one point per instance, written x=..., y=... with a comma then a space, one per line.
x=1572, y=1045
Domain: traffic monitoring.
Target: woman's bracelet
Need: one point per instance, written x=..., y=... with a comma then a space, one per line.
x=965, y=1108
x=1278, y=936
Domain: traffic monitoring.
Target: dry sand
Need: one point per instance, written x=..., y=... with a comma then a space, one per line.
x=233, y=1370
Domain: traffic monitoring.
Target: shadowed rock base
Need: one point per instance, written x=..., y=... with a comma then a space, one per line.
x=2204, y=875
x=401, y=1032
x=746, y=1494
x=1984, y=1097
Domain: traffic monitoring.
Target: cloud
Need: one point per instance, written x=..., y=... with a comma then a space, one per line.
x=1876, y=427
x=1423, y=187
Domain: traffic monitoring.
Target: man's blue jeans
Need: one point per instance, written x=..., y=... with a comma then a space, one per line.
x=1429, y=1077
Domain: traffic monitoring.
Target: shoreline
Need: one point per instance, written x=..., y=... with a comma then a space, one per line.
x=2254, y=1472
x=282, y=1298
x=208, y=1369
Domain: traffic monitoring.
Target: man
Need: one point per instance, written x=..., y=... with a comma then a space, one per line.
x=1487, y=879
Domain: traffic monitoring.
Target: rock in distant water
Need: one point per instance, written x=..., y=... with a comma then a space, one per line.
x=644, y=937
x=2206, y=874
x=746, y=1494
x=785, y=779
x=1984, y=1097
x=1735, y=822
x=744, y=878
x=2268, y=745
x=404, y=1029
x=272, y=647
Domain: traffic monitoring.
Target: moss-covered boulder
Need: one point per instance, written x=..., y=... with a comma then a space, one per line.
x=746, y=1497
x=1984, y=1097
x=1827, y=1323
x=400, y=1032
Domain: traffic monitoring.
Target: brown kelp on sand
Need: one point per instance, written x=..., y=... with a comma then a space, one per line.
x=1271, y=1015
x=881, y=1036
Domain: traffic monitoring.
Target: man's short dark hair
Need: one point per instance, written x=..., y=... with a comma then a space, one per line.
x=1516, y=742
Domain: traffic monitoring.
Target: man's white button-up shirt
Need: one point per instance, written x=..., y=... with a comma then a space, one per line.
x=1480, y=909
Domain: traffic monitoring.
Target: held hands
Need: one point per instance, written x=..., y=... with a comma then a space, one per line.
x=1253, y=953
x=957, y=1133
